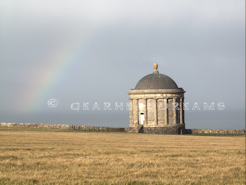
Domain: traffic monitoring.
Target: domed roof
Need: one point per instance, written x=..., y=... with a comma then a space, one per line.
x=156, y=81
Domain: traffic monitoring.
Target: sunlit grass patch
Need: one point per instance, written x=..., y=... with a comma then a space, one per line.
x=51, y=157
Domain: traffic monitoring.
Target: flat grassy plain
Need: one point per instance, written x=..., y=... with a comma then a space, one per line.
x=50, y=156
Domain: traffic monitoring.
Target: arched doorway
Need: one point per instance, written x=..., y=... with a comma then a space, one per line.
x=141, y=118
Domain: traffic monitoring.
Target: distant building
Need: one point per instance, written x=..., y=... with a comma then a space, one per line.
x=156, y=105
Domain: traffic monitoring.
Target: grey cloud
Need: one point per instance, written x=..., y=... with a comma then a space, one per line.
x=200, y=44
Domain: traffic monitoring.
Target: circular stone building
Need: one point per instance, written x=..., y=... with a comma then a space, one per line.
x=156, y=105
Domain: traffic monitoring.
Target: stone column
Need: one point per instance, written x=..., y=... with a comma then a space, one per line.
x=166, y=111
x=135, y=112
x=174, y=111
x=181, y=111
x=145, y=112
x=131, y=113
x=156, y=112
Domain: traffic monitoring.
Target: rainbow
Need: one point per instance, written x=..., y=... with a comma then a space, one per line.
x=60, y=61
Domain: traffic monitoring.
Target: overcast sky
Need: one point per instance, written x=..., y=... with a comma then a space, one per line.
x=96, y=51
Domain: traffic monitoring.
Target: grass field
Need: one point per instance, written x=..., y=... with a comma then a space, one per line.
x=41, y=156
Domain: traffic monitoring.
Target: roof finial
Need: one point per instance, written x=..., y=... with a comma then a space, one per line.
x=155, y=68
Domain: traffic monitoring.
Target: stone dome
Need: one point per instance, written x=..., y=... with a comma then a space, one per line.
x=156, y=81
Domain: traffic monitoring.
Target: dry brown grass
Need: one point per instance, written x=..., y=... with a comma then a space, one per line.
x=29, y=157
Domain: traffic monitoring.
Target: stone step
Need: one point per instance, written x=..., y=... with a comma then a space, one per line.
x=136, y=129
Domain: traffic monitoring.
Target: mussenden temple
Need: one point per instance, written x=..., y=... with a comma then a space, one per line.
x=156, y=105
